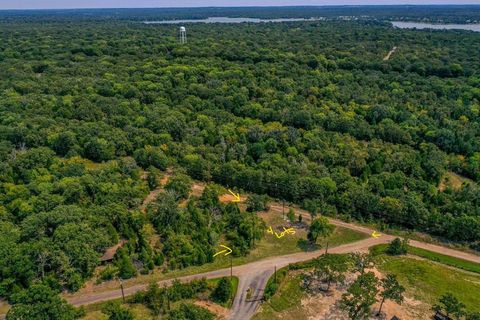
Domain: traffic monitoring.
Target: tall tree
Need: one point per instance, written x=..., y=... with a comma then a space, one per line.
x=40, y=302
x=222, y=291
x=361, y=261
x=319, y=228
x=451, y=305
x=360, y=296
x=392, y=290
x=332, y=268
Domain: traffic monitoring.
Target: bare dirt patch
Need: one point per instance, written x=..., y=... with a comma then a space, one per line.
x=224, y=198
x=214, y=308
x=453, y=180
x=197, y=189
x=326, y=306
x=152, y=196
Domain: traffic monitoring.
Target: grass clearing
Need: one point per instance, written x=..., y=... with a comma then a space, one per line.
x=428, y=281
x=453, y=180
x=447, y=260
x=291, y=293
x=433, y=256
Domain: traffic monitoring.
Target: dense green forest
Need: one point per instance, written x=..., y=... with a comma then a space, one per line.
x=307, y=112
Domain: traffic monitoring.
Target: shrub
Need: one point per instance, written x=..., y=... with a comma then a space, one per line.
x=222, y=291
x=291, y=215
x=398, y=247
x=108, y=273
x=116, y=312
x=190, y=311
x=257, y=202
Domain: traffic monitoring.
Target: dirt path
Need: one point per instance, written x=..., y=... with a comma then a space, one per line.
x=152, y=196
x=387, y=57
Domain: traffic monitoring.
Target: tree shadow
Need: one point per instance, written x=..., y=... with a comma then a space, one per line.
x=306, y=245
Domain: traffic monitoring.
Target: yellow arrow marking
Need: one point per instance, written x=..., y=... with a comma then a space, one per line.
x=227, y=250
x=282, y=234
x=375, y=234
x=236, y=195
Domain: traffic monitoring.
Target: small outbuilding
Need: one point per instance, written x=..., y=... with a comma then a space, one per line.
x=441, y=316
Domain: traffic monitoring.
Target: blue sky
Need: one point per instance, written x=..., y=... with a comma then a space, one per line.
x=47, y=4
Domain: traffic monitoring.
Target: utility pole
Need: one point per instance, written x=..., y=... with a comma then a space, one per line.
x=275, y=274
x=121, y=287
x=168, y=300
x=253, y=231
x=326, y=248
x=283, y=209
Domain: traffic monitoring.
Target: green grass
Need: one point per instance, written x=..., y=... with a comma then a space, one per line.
x=274, y=282
x=447, y=260
x=343, y=236
x=291, y=294
x=139, y=312
x=427, y=281
x=433, y=256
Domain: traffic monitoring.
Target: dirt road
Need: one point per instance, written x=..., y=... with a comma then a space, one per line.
x=153, y=195
x=252, y=275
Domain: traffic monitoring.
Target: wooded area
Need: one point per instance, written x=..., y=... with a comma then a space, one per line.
x=307, y=112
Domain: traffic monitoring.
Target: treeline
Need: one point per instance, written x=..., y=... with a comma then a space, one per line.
x=431, y=13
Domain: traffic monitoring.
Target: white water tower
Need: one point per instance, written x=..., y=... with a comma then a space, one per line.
x=183, y=35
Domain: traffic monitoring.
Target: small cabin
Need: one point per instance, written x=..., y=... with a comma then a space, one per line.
x=441, y=316
x=110, y=252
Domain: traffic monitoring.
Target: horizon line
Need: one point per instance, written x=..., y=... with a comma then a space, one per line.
x=251, y=6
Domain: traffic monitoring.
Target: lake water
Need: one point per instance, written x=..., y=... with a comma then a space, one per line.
x=229, y=20
x=420, y=25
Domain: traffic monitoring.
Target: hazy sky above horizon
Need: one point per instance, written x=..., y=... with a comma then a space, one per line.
x=50, y=4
